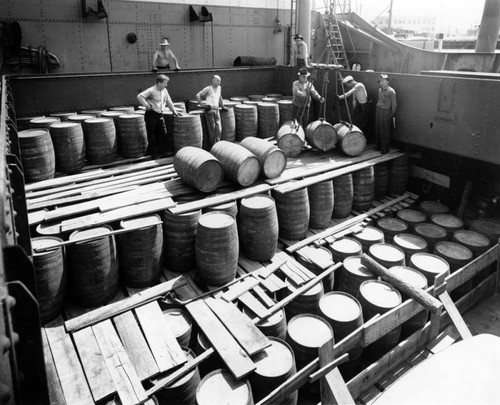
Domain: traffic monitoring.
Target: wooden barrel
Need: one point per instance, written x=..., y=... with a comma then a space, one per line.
x=93, y=267
x=351, y=140
x=180, y=323
x=63, y=116
x=246, y=120
x=271, y=158
x=37, y=155
x=343, y=194
x=352, y=274
x=230, y=207
x=379, y=297
x=368, y=236
x=429, y=265
x=23, y=123
x=95, y=112
x=431, y=208
x=220, y=387
x=187, y=131
x=410, y=244
x=321, y=135
x=275, y=364
x=69, y=146
x=455, y=254
x=238, y=99
x=275, y=325
x=431, y=233
x=216, y=248
x=239, y=164
x=387, y=255
x=179, y=235
x=363, y=181
x=44, y=122
x=51, y=277
x=322, y=254
x=140, y=252
x=228, y=122
x=268, y=119
x=274, y=95
x=293, y=213
x=286, y=111
x=133, y=136
x=449, y=223
x=399, y=173
x=81, y=118
x=182, y=391
x=115, y=116
x=345, y=247
x=198, y=168
x=123, y=108
x=193, y=105
x=291, y=138
x=100, y=140
x=381, y=180
x=251, y=102
x=270, y=100
x=258, y=227
x=256, y=97
x=305, y=303
x=391, y=227
x=476, y=242
x=202, y=344
x=205, y=138
x=320, y=204
x=180, y=106
x=411, y=217
x=487, y=227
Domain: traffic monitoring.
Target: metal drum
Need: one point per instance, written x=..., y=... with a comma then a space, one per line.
x=351, y=140
x=320, y=204
x=239, y=164
x=321, y=135
x=291, y=138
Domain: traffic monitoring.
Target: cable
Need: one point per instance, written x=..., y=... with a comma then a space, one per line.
x=109, y=44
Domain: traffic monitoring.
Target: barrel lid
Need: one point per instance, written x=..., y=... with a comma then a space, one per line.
x=453, y=250
x=220, y=387
x=43, y=243
x=247, y=105
x=44, y=120
x=410, y=241
x=433, y=207
x=64, y=124
x=447, y=221
x=347, y=246
x=111, y=113
x=392, y=224
x=216, y=219
x=471, y=238
x=487, y=226
x=309, y=330
x=410, y=276
x=80, y=117
x=238, y=98
x=430, y=230
x=96, y=121
x=266, y=104
x=380, y=293
x=230, y=104
x=131, y=117
x=274, y=361
x=340, y=306
x=63, y=114
x=370, y=234
x=412, y=216
x=275, y=95
x=32, y=133
x=178, y=320
x=87, y=233
x=122, y=107
x=353, y=265
x=386, y=252
x=258, y=202
x=285, y=101
x=143, y=222
x=273, y=100
x=429, y=263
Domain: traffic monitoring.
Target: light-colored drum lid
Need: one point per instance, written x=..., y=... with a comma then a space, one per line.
x=257, y=202
x=275, y=360
x=453, y=250
x=340, y=306
x=430, y=263
x=309, y=330
x=219, y=387
x=353, y=265
x=216, y=219
x=141, y=222
x=409, y=241
x=380, y=294
x=87, y=233
x=346, y=245
x=410, y=276
x=386, y=252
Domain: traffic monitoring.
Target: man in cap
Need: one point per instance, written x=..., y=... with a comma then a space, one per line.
x=300, y=54
x=164, y=58
x=386, y=110
x=359, y=101
x=303, y=90
x=210, y=99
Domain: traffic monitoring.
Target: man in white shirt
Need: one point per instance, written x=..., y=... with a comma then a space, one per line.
x=360, y=109
x=210, y=99
x=156, y=100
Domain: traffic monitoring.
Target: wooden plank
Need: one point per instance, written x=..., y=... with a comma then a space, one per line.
x=455, y=316
x=239, y=325
x=56, y=395
x=261, y=294
x=70, y=372
x=36, y=217
x=291, y=275
x=240, y=288
x=270, y=281
x=253, y=304
x=135, y=345
x=161, y=340
x=126, y=304
x=229, y=350
x=128, y=385
x=430, y=176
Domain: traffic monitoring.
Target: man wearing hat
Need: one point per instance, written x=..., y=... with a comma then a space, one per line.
x=359, y=101
x=386, y=110
x=303, y=90
x=164, y=58
x=300, y=54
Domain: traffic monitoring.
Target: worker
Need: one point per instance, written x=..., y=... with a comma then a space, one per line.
x=210, y=99
x=303, y=90
x=156, y=100
x=300, y=54
x=359, y=101
x=164, y=58
x=385, y=115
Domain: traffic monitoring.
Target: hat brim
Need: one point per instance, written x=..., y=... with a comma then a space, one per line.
x=164, y=43
x=307, y=74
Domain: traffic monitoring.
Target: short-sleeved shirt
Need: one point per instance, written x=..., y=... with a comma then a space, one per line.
x=300, y=93
x=157, y=98
x=387, y=99
x=212, y=96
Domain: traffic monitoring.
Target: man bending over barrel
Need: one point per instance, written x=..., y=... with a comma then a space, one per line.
x=210, y=99
x=156, y=99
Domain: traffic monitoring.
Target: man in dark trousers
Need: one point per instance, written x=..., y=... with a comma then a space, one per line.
x=385, y=115
x=359, y=102
x=303, y=90
x=156, y=100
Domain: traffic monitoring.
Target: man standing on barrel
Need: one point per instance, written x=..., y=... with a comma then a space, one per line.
x=385, y=116
x=210, y=99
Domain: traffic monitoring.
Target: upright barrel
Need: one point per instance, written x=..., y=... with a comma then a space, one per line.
x=410, y=244
x=44, y=122
x=286, y=111
x=293, y=213
x=220, y=387
x=268, y=119
x=351, y=139
x=431, y=233
x=230, y=207
x=391, y=227
x=246, y=121
x=387, y=255
x=133, y=138
x=411, y=217
x=115, y=116
x=238, y=99
x=353, y=273
x=271, y=158
x=275, y=325
x=95, y=112
x=381, y=180
x=216, y=248
x=239, y=164
x=455, y=254
x=476, y=242
x=187, y=131
x=228, y=122
x=179, y=235
x=181, y=324
x=317, y=255
x=368, y=236
x=399, y=173
x=140, y=251
x=123, y=108
x=80, y=118
x=37, y=155
x=258, y=227
x=363, y=188
x=291, y=138
x=50, y=275
x=431, y=208
x=429, y=265
x=198, y=168
x=100, y=140
x=321, y=135
x=343, y=194
x=487, y=227
x=320, y=204
x=305, y=303
x=256, y=97
x=63, y=116
x=345, y=247
x=69, y=146
x=449, y=223
x=93, y=266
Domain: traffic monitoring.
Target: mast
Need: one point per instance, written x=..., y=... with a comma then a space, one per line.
x=490, y=26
